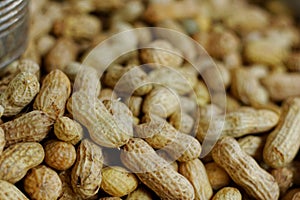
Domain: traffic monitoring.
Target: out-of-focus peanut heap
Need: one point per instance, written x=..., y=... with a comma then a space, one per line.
x=55, y=144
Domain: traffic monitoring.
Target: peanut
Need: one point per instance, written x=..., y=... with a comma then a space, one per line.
x=284, y=178
x=107, y=94
x=222, y=42
x=140, y=193
x=59, y=155
x=176, y=79
x=87, y=80
x=228, y=193
x=161, y=135
x=160, y=53
x=102, y=126
x=217, y=176
x=283, y=143
x=253, y=145
x=77, y=26
x=17, y=159
x=247, y=88
x=30, y=127
x=201, y=94
x=182, y=122
x=10, y=71
x=154, y=172
x=265, y=51
x=44, y=44
x=161, y=101
x=128, y=80
x=86, y=174
x=195, y=172
x=134, y=103
x=62, y=53
x=42, y=183
x=68, y=130
x=241, y=122
x=172, y=10
x=280, y=86
x=19, y=93
x=117, y=181
x=247, y=18
x=9, y=191
x=55, y=91
x=244, y=170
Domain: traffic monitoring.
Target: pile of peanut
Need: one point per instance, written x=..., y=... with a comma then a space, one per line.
x=57, y=144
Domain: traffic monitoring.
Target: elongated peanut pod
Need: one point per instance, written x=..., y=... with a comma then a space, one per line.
x=155, y=172
x=283, y=143
x=244, y=170
x=195, y=172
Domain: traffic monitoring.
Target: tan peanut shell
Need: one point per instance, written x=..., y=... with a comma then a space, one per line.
x=30, y=127
x=284, y=177
x=280, y=86
x=182, y=122
x=19, y=93
x=157, y=12
x=155, y=172
x=201, y=94
x=101, y=124
x=247, y=88
x=17, y=159
x=117, y=181
x=86, y=80
x=55, y=91
x=160, y=53
x=140, y=193
x=253, y=145
x=42, y=183
x=61, y=54
x=68, y=130
x=228, y=193
x=134, y=103
x=246, y=18
x=12, y=70
x=244, y=121
x=161, y=102
x=77, y=26
x=9, y=191
x=161, y=135
x=86, y=174
x=217, y=176
x=244, y=170
x=195, y=172
x=59, y=155
x=265, y=51
x=283, y=143
x=128, y=80
x=174, y=78
x=107, y=93
x=222, y=42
